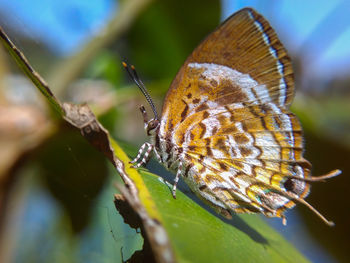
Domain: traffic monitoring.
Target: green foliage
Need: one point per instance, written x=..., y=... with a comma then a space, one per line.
x=49, y=231
x=200, y=236
x=106, y=66
x=161, y=39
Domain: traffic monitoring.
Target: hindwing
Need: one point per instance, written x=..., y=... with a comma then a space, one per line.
x=251, y=153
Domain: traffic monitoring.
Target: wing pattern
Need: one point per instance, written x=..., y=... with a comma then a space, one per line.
x=246, y=165
x=226, y=126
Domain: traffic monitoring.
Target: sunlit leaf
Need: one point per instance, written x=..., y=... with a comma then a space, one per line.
x=200, y=236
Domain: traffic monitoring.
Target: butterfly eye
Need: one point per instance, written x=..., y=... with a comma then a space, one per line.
x=152, y=124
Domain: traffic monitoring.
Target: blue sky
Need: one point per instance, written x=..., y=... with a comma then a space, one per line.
x=50, y=21
x=295, y=21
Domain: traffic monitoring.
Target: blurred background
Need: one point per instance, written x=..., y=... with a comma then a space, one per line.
x=56, y=192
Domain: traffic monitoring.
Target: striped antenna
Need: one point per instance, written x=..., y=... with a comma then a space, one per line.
x=134, y=76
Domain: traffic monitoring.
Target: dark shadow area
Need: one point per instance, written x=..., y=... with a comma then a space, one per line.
x=74, y=174
x=330, y=197
x=134, y=221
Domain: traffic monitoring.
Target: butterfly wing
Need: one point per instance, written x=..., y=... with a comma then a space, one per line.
x=246, y=43
x=246, y=157
x=226, y=112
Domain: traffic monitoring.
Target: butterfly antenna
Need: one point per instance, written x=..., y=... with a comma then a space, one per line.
x=145, y=92
x=134, y=76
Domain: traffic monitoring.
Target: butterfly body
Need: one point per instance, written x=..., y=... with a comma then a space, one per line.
x=225, y=127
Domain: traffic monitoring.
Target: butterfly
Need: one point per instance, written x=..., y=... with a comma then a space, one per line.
x=225, y=126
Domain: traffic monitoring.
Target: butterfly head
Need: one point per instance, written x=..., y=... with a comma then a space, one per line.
x=151, y=126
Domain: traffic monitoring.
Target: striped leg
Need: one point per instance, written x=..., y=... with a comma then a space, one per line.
x=142, y=148
x=157, y=155
x=146, y=155
x=178, y=174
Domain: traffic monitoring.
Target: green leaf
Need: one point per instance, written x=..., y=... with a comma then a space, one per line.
x=199, y=236
x=196, y=235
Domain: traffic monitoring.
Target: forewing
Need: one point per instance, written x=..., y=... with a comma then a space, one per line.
x=245, y=43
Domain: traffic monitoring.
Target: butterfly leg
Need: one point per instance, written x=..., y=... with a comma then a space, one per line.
x=157, y=155
x=177, y=177
x=146, y=156
x=142, y=148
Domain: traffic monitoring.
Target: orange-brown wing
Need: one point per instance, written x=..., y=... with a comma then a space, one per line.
x=226, y=114
x=245, y=43
x=247, y=157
